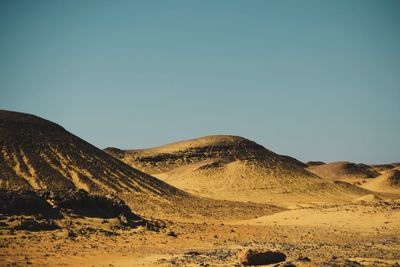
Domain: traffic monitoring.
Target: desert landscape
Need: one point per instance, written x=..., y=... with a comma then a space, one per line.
x=218, y=200
x=200, y=133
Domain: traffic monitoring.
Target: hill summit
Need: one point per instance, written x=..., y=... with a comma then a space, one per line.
x=39, y=154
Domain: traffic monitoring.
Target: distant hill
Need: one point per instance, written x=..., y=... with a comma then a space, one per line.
x=385, y=167
x=235, y=168
x=343, y=170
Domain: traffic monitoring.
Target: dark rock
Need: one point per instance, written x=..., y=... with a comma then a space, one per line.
x=123, y=219
x=35, y=225
x=173, y=234
x=85, y=204
x=192, y=253
x=72, y=234
x=304, y=259
x=257, y=257
x=153, y=226
x=350, y=263
x=25, y=203
x=75, y=203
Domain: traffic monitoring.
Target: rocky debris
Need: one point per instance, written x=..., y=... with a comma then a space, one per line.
x=126, y=220
x=258, y=257
x=78, y=202
x=212, y=165
x=201, y=258
x=336, y=262
x=88, y=231
x=155, y=226
x=85, y=204
x=192, y=253
x=123, y=219
x=394, y=178
x=304, y=259
x=25, y=203
x=44, y=204
x=32, y=224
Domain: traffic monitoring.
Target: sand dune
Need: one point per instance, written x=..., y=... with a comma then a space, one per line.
x=234, y=168
x=388, y=182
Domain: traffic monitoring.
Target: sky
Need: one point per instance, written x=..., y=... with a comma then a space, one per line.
x=316, y=80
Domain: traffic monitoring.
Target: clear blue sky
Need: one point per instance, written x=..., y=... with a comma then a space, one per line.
x=317, y=80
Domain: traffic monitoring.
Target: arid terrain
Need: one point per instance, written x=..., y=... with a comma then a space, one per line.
x=212, y=201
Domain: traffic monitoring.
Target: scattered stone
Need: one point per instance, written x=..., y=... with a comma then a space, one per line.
x=257, y=257
x=35, y=225
x=349, y=263
x=123, y=220
x=304, y=259
x=173, y=234
x=82, y=203
x=72, y=234
x=192, y=253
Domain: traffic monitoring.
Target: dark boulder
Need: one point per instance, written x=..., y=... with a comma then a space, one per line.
x=257, y=257
x=25, y=203
x=53, y=204
x=82, y=203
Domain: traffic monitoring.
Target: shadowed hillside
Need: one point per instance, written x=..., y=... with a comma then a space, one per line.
x=38, y=154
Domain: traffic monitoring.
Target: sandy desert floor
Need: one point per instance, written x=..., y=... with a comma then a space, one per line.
x=355, y=234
